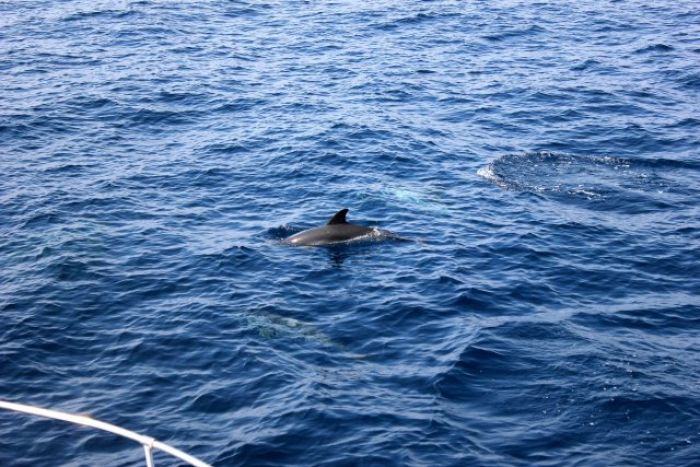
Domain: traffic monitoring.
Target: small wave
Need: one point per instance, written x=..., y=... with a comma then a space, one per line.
x=248, y=11
x=101, y=14
x=160, y=118
x=514, y=33
x=225, y=148
x=688, y=123
x=67, y=168
x=172, y=96
x=690, y=80
x=415, y=19
x=88, y=102
x=239, y=105
x=587, y=65
x=654, y=48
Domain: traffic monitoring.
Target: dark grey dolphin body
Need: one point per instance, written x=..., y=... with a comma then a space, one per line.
x=337, y=230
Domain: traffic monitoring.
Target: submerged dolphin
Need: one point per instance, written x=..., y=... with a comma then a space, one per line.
x=337, y=230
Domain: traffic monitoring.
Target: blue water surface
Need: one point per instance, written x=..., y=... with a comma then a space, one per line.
x=541, y=158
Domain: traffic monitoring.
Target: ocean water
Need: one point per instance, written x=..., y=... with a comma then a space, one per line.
x=542, y=159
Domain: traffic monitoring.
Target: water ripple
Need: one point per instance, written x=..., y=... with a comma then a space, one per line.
x=540, y=159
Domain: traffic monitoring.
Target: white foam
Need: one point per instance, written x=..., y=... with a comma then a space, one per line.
x=487, y=172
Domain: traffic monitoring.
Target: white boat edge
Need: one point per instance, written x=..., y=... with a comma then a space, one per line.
x=147, y=442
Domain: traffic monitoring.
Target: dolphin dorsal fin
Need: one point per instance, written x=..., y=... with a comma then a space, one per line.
x=339, y=217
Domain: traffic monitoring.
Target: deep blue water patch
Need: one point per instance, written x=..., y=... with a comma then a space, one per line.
x=542, y=159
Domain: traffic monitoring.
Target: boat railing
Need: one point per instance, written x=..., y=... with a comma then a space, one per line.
x=147, y=442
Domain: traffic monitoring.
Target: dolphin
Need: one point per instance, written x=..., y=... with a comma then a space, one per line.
x=337, y=230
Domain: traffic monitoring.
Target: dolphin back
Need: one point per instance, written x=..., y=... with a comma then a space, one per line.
x=337, y=230
x=329, y=234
